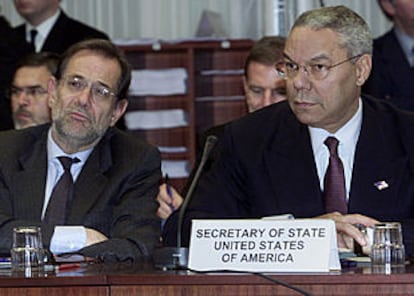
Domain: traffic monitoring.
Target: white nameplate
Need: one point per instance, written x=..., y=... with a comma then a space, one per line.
x=303, y=245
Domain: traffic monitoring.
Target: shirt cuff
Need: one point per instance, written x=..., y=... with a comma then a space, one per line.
x=68, y=239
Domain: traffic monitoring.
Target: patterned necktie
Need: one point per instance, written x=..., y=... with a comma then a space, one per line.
x=33, y=34
x=61, y=195
x=334, y=182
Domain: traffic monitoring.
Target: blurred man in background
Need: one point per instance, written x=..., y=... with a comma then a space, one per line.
x=262, y=87
x=28, y=91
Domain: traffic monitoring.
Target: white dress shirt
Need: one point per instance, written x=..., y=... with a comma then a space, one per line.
x=348, y=137
x=64, y=238
x=43, y=31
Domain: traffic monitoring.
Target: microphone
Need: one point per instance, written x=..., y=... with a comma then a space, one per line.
x=177, y=257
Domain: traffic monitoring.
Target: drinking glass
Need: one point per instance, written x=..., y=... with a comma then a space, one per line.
x=27, y=253
x=387, y=253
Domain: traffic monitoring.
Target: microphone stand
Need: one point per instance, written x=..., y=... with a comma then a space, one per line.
x=177, y=257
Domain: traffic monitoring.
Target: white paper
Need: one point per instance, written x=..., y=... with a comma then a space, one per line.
x=162, y=82
x=175, y=168
x=156, y=119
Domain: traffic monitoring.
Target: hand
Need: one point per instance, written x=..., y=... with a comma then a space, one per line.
x=346, y=231
x=93, y=237
x=168, y=203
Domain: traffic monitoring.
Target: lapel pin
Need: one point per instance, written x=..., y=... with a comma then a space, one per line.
x=381, y=185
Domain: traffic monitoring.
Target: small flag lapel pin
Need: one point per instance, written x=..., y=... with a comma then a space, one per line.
x=381, y=185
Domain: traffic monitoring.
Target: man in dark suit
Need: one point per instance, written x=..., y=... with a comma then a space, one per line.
x=55, y=30
x=392, y=72
x=111, y=214
x=11, y=49
x=274, y=161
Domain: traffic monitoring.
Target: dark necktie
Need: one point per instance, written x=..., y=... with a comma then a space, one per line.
x=334, y=182
x=33, y=34
x=61, y=195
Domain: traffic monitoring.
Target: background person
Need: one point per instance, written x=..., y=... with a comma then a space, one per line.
x=392, y=72
x=262, y=87
x=28, y=91
x=55, y=31
x=11, y=49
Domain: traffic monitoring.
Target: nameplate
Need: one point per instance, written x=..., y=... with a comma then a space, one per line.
x=302, y=245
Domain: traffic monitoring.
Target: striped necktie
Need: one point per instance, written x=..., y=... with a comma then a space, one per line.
x=334, y=182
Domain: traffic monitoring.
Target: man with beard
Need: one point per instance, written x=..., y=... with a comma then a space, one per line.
x=325, y=152
x=108, y=179
x=28, y=91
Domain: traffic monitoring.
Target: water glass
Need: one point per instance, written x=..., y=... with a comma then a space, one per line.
x=387, y=252
x=27, y=253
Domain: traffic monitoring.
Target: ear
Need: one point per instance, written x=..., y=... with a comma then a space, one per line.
x=363, y=68
x=51, y=89
x=388, y=6
x=119, y=110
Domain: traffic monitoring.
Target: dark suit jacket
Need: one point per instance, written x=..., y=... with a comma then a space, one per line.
x=64, y=33
x=266, y=167
x=11, y=49
x=391, y=77
x=213, y=131
x=115, y=192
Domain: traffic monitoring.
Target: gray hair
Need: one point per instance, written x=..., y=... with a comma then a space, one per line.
x=353, y=32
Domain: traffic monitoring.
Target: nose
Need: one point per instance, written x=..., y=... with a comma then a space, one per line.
x=22, y=98
x=301, y=80
x=85, y=96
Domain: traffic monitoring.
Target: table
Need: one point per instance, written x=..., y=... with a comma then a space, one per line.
x=143, y=279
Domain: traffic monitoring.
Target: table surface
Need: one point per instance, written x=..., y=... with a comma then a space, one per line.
x=131, y=279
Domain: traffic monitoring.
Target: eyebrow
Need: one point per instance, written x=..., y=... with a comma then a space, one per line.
x=317, y=58
x=28, y=86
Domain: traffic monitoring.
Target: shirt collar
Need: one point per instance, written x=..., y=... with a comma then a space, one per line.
x=44, y=28
x=347, y=135
x=406, y=43
x=53, y=150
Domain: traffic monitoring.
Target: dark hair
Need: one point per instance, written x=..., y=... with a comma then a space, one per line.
x=48, y=59
x=267, y=51
x=106, y=49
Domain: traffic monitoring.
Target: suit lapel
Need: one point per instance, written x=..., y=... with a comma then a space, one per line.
x=91, y=181
x=55, y=40
x=378, y=161
x=292, y=170
x=30, y=180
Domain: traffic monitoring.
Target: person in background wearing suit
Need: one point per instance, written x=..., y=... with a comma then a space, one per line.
x=110, y=210
x=262, y=87
x=55, y=31
x=11, y=48
x=28, y=91
x=274, y=161
x=392, y=72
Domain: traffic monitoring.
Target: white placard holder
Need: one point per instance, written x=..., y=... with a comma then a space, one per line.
x=302, y=245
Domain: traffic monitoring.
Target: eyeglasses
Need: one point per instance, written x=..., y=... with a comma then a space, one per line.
x=34, y=92
x=315, y=71
x=76, y=85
